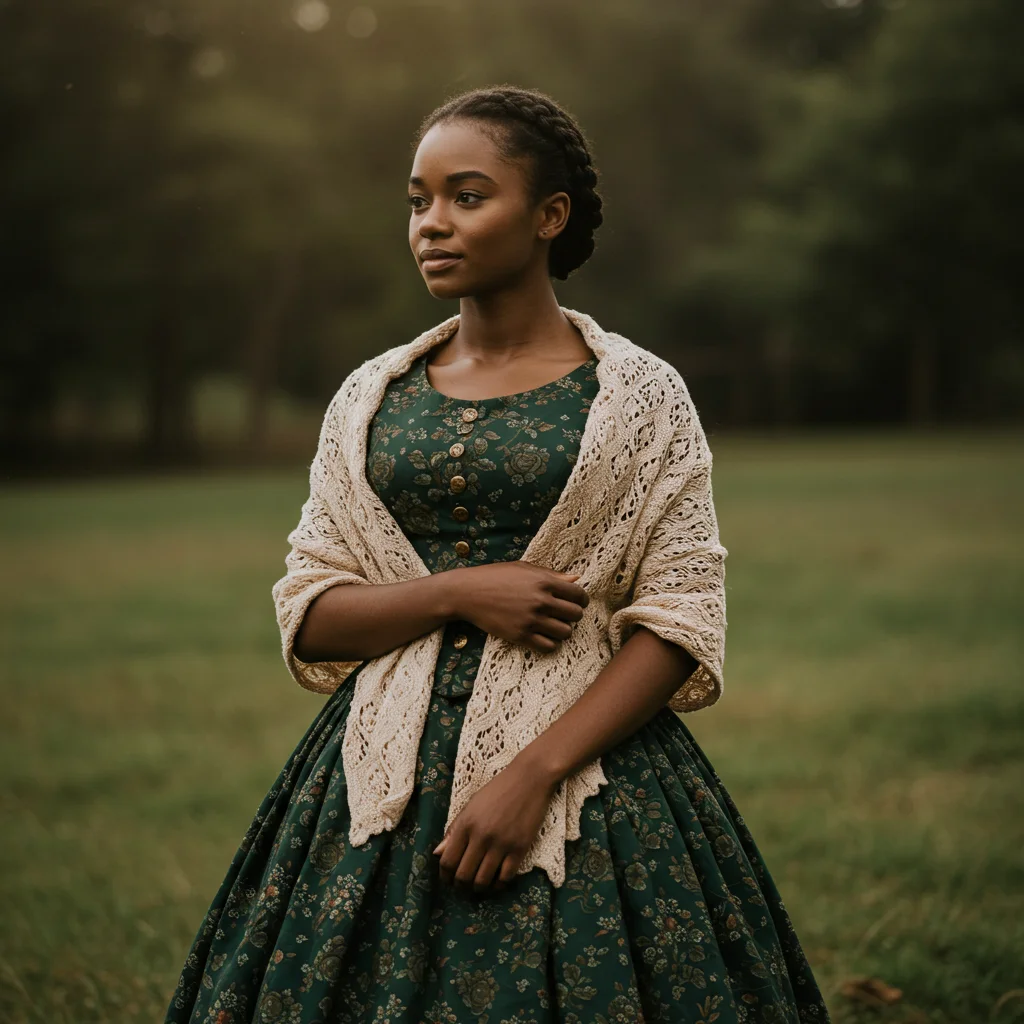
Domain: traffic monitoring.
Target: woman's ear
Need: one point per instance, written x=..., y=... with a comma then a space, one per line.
x=554, y=215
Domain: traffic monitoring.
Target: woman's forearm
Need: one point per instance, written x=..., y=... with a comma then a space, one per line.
x=627, y=694
x=353, y=622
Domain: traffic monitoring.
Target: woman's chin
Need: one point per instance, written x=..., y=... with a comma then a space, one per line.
x=442, y=289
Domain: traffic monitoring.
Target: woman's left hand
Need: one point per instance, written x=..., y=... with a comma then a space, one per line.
x=488, y=840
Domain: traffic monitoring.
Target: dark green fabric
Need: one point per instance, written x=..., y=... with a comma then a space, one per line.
x=667, y=913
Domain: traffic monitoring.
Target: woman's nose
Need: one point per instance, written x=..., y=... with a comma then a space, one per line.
x=434, y=224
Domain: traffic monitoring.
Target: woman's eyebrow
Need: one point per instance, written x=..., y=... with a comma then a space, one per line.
x=457, y=176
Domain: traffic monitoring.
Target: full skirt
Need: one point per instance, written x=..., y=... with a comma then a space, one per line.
x=667, y=913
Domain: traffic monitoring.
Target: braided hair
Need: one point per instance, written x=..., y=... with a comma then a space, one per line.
x=532, y=124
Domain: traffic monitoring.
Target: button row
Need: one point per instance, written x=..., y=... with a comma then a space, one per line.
x=458, y=484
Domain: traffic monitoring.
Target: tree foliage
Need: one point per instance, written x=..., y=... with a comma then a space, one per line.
x=885, y=238
x=811, y=205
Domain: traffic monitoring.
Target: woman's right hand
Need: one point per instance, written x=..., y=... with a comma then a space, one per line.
x=520, y=602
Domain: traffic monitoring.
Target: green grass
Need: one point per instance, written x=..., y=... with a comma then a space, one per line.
x=872, y=728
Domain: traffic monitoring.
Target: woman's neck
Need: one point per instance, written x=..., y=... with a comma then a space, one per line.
x=514, y=324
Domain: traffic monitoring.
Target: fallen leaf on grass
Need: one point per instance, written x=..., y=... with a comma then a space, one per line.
x=871, y=992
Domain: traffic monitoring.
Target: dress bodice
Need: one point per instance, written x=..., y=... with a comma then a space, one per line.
x=471, y=480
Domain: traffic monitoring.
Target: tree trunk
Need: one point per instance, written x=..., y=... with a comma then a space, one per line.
x=922, y=379
x=741, y=387
x=779, y=354
x=263, y=346
x=169, y=435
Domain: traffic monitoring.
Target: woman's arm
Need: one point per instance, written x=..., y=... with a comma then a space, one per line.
x=488, y=840
x=625, y=695
x=355, y=623
x=523, y=603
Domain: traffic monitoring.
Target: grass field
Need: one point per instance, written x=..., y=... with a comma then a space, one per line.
x=872, y=728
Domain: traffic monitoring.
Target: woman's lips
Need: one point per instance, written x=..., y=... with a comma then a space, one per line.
x=437, y=263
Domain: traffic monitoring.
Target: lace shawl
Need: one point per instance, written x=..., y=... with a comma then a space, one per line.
x=635, y=518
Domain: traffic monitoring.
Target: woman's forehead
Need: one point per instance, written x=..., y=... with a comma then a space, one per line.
x=457, y=147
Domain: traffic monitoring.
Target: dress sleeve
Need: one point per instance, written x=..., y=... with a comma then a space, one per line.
x=319, y=559
x=679, y=586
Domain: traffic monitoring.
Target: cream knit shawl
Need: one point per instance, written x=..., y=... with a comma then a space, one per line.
x=635, y=518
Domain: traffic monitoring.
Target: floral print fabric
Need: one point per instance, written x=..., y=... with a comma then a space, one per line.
x=516, y=455
x=667, y=913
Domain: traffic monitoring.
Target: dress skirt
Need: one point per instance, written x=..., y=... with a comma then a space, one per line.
x=667, y=912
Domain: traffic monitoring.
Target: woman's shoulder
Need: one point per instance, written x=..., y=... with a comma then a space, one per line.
x=655, y=387
x=633, y=362
x=645, y=372
x=391, y=362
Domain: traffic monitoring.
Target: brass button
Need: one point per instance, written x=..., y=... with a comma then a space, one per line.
x=461, y=548
x=460, y=513
x=457, y=484
x=460, y=641
x=456, y=449
x=469, y=414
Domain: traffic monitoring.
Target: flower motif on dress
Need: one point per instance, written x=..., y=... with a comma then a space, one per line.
x=279, y=1008
x=524, y=462
x=597, y=863
x=414, y=514
x=327, y=849
x=340, y=900
x=416, y=963
x=329, y=958
x=477, y=988
x=636, y=876
x=440, y=1012
x=576, y=989
x=400, y=398
x=384, y=962
x=724, y=846
x=683, y=872
x=382, y=468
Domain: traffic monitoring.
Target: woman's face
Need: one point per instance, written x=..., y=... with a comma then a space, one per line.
x=472, y=226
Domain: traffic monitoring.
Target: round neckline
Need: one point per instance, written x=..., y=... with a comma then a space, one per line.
x=500, y=398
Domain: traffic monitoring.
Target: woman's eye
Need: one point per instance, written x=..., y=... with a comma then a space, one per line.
x=471, y=196
x=415, y=201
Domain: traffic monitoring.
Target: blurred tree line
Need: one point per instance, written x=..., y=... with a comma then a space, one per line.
x=813, y=206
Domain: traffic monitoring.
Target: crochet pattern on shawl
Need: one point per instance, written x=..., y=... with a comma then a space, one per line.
x=636, y=519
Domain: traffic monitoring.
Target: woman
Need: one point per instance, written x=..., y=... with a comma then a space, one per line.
x=508, y=576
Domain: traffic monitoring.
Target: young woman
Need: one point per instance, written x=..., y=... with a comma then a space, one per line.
x=508, y=576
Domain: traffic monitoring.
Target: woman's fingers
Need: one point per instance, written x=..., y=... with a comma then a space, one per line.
x=547, y=634
x=541, y=644
x=451, y=858
x=469, y=863
x=556, y=629
x=489, y=867
x=509, y=867
x=569, y=591
x=567, y=611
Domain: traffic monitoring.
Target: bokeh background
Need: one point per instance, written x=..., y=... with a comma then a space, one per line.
x=814, y=209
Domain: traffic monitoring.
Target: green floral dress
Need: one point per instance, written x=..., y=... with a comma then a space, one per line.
x=667, y=912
